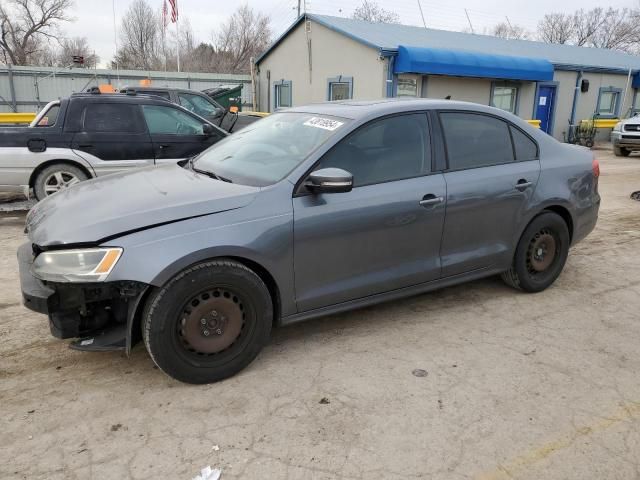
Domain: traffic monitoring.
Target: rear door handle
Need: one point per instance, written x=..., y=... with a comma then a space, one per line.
x=523, y=184
x=164, y=146
x=429, y=200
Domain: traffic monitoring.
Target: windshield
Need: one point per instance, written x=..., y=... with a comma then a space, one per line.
x=267, y=150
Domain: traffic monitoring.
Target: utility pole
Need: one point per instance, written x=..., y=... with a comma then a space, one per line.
x=469, y=20
x=422, y=14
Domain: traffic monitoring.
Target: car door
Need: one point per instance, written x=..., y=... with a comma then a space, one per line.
x=176, y=134
x=493, y=170
x=113, y=136
x=385, y=233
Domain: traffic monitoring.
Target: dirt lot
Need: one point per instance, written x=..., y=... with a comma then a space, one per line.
x=519, y=386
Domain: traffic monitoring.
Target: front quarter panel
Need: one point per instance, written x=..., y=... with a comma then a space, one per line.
x=261, y=233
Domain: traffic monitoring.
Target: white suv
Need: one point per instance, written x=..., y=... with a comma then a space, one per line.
x=625, y=136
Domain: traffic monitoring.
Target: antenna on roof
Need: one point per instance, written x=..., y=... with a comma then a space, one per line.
x=469, y=20
x=422, y=14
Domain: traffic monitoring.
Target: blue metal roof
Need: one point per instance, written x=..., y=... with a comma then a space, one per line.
x=388, y=37
x=471, y=64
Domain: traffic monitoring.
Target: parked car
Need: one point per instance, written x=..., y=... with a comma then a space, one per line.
x=90, y=135
x=313, y=211
x=625, y=136
x=200, y=104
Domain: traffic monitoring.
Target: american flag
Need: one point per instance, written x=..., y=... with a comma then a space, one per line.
x=174, y=10
x=165, y=16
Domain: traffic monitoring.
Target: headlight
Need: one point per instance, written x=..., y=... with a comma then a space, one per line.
x=618, y=127
x=86, y=265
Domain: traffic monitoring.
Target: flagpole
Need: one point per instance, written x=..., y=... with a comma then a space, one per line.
x=178, y=34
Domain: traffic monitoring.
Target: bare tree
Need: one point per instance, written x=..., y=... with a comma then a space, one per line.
x=620, y=30
x=246, y=34
x=586, y=24
x=140, y=38
x=26, y=24
x=370, y=11
x=76, y=46
x=556, y=28
x=509, y=31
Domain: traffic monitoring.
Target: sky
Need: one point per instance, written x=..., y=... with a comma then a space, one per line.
x=205, y=16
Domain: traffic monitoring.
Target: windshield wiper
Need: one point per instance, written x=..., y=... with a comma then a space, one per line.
x=210, y=174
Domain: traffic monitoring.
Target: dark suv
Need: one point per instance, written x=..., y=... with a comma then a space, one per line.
x=200, y=104
x=90, y=135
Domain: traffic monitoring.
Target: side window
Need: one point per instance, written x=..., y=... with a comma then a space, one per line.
x=526, y=149
x=340, y=88
x=197, y=104
x=163, y=120
x=504, y=97
x=475, y=140
x=608, y=102
x=384, y=150
x=50, y=117
x=112, y=118
x=282, y=94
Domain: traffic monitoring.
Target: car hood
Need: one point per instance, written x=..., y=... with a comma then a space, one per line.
x=107, y=207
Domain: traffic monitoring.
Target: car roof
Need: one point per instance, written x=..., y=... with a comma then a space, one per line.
x=359, y=109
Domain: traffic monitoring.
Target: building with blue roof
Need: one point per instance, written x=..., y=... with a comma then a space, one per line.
x=321, y=58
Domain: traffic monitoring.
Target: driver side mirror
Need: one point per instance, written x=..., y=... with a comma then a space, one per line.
x=208, y=129
x=218, y=112
x=329, y=180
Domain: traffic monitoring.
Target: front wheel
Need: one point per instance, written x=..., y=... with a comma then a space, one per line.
x=540, y=255
x=621, y=152
x=209, y=322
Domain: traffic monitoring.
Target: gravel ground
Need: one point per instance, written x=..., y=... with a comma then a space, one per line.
x=475, y=381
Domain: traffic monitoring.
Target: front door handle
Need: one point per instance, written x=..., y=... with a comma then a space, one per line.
x=429, y=200
x=162, y=147
x=523, y=185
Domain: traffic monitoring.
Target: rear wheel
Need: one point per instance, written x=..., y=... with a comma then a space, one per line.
x=540, y=255
x=208, y=322
x=57, y=177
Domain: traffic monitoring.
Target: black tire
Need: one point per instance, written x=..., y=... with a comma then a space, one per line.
x=532, y=270
x=621, y=152
x=42, y=186
x=176, y=340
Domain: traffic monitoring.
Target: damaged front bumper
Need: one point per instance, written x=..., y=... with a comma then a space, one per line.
x=100, y=315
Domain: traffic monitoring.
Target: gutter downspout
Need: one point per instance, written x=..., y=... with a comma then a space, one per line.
x=574, y=107
x=390, y=65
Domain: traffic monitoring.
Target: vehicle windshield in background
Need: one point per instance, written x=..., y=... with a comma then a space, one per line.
x=197, y=104
x=268, y=150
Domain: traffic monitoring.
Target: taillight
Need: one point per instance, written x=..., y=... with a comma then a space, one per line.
x=596, y=167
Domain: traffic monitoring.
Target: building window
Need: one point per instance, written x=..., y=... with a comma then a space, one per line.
x=340, y=88
x=609, y=102
x=282, y=94
x=505, y=97
x=407, y=87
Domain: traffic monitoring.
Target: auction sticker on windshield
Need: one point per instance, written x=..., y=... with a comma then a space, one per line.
x=325, y=123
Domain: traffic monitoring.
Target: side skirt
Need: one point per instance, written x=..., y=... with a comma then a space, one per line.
x=392, y=295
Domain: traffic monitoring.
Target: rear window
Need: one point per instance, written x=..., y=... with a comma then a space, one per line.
x=50, y=117
x=476, y=140
x=112, y=117
x=526, y=149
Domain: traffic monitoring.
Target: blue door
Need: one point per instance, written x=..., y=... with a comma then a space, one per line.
x=544, y=106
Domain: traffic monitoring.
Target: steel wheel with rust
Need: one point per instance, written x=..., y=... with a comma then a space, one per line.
x=540, y=255
x=208, y=322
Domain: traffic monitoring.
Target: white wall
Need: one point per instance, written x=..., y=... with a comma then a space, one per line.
x=332, y=54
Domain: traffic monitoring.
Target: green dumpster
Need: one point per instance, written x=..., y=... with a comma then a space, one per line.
x=227, y=95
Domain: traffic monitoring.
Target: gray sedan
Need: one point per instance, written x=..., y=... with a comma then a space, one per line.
x=312, y=211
